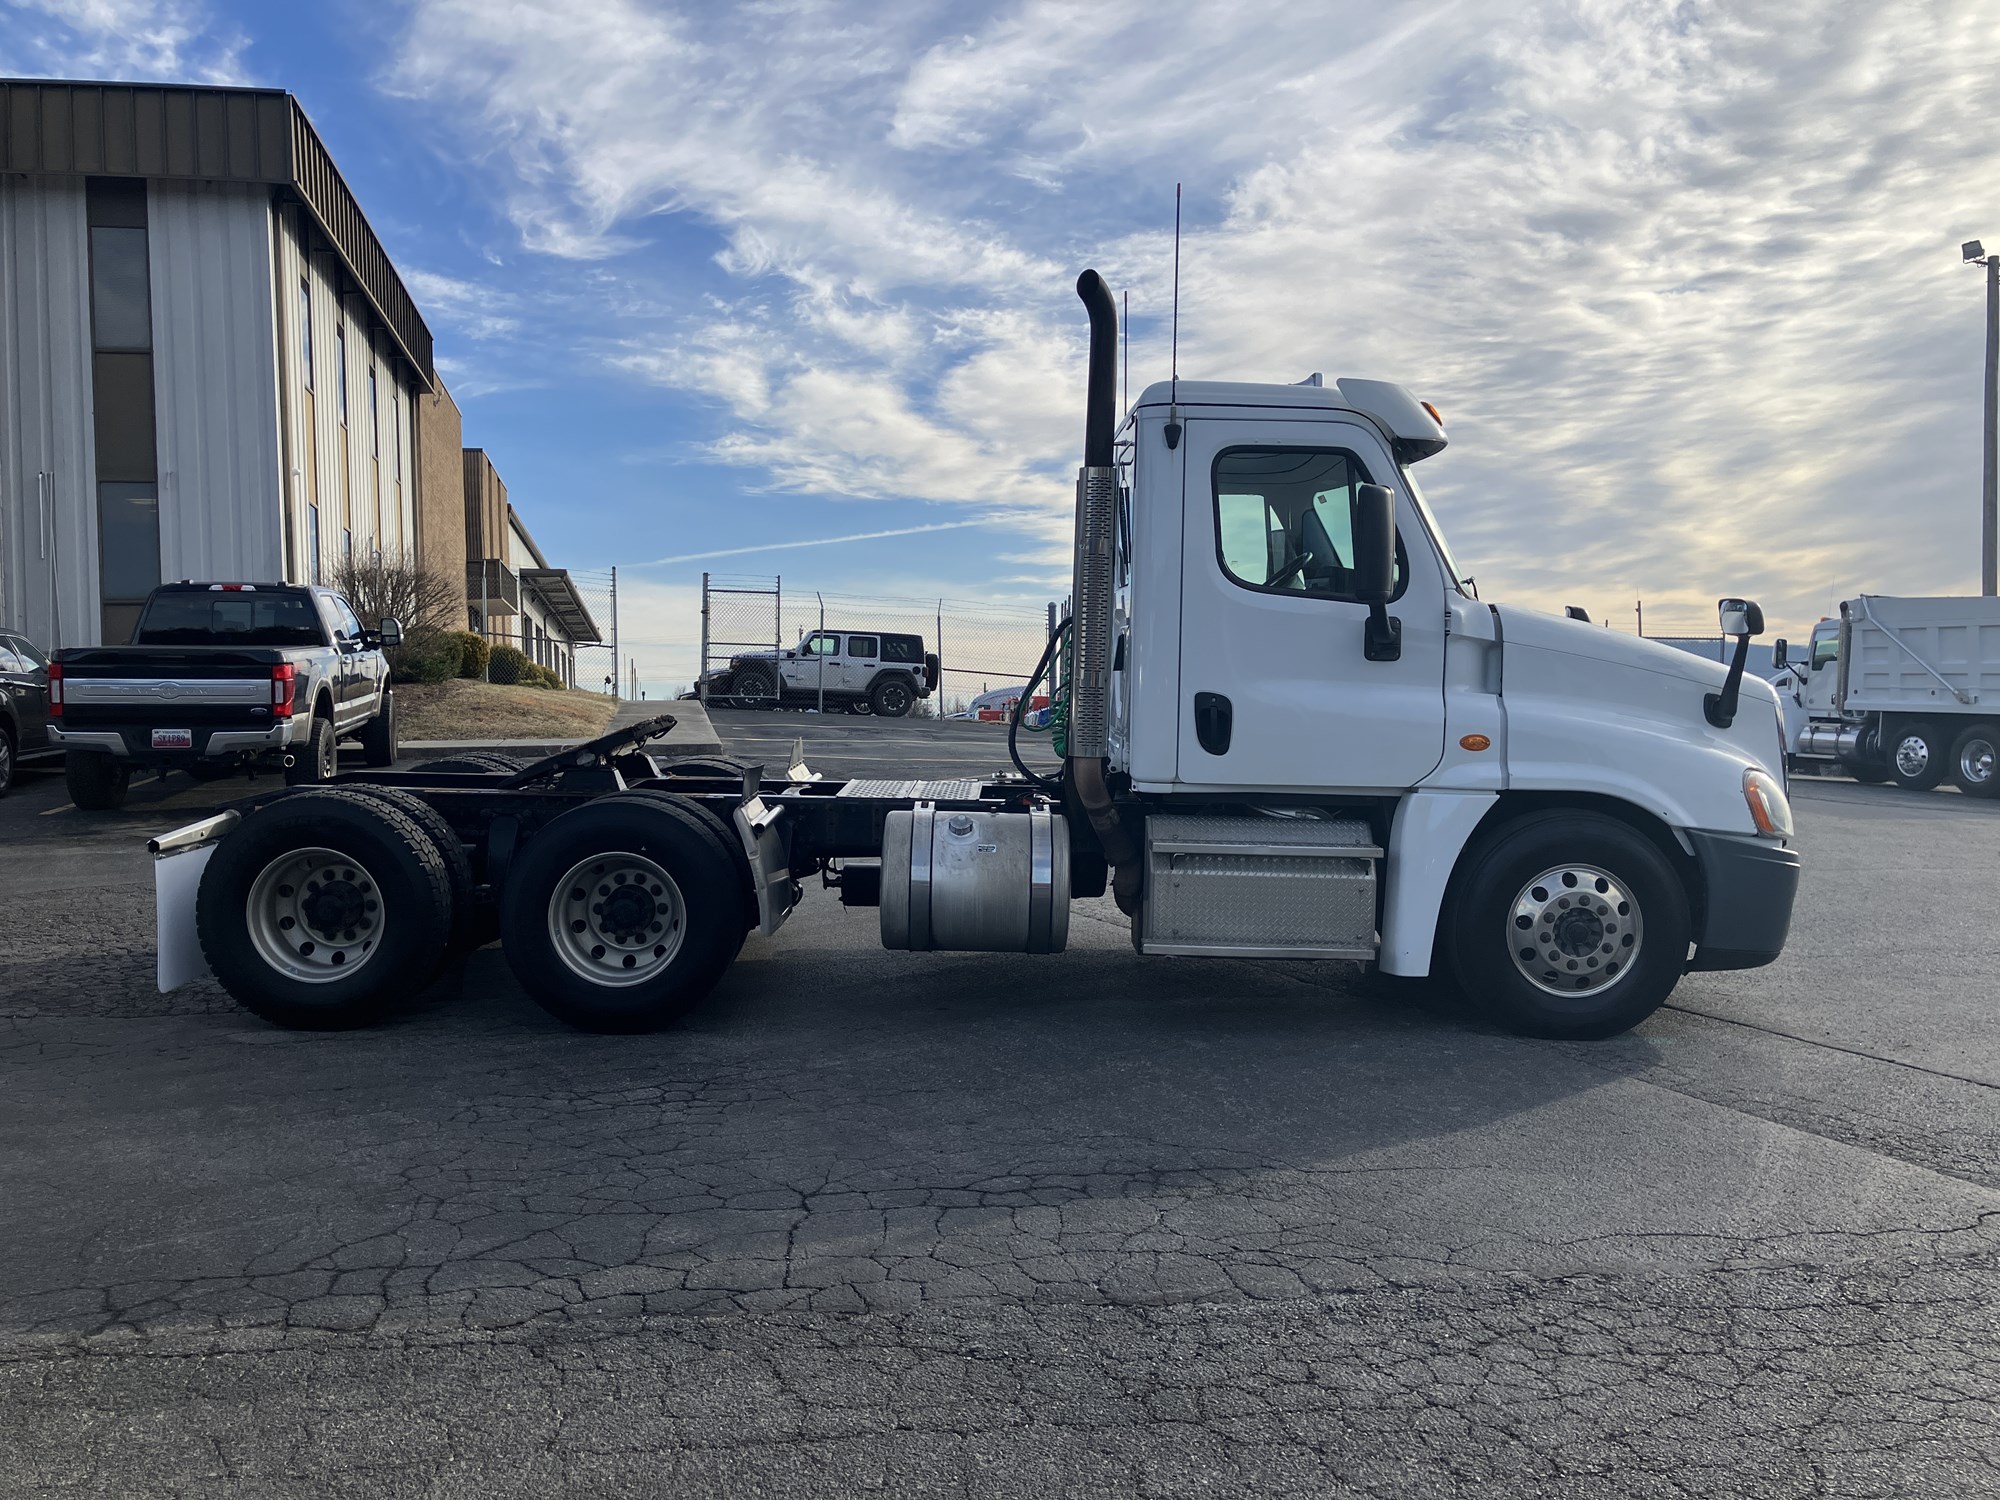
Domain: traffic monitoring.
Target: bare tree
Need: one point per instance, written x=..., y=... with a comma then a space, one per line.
x=397, y=585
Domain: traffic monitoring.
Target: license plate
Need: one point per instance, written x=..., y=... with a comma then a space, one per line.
x=173, y=739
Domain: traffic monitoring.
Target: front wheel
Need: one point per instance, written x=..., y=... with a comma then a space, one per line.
x=756, y=688
x=1568, y=925
x=1918, y=757
x=378, y=736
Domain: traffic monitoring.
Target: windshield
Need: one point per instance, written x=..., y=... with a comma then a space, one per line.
x=232, y=619
x=1458, y=577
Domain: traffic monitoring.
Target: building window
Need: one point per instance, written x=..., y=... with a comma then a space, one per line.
x=121, y=401
x=347, y=543
x=340, y=371
x=312, y=540
x=396, y=412
x=121, y=311
x=374, y=417
x=306, y=329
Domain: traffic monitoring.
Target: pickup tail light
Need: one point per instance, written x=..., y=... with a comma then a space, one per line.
x=55, y=690
x=284, y=684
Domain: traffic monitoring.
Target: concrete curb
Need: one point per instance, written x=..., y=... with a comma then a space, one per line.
x=692, y=735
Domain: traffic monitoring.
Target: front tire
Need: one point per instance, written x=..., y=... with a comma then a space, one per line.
x=1918, y=757
x=97, y=782
x=1975, y=761
x=621, y=915
x=318, y=759
x=378, y=736
x=756, y=688
x=1569, y=925
x=6, y=760
x=321, y=909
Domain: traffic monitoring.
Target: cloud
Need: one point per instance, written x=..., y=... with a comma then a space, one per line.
x=174, y=40
x=1683, y=277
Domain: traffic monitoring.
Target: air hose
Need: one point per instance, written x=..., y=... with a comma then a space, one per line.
x=1058, y=713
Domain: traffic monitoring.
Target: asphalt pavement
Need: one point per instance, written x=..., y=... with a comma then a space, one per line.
x=963, y=1224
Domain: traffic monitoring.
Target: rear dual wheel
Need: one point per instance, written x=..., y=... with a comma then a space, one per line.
x=1919, y=756
x=622, y=914
x=321, y=909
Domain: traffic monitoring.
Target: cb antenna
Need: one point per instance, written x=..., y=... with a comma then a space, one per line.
x=1125, y=346
x=1174, y=364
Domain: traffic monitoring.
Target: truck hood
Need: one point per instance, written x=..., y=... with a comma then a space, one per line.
x=1593, y=643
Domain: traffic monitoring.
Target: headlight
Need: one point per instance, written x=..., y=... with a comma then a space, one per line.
x=1770, y=809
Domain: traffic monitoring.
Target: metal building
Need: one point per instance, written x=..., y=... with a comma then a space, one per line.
x=208, y=366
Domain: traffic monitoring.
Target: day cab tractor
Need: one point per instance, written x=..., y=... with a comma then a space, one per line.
x=1288, y=731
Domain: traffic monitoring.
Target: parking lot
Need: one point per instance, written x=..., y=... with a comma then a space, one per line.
x=980, y=1225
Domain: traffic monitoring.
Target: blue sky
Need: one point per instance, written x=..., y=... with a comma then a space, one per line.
x=1683, y=277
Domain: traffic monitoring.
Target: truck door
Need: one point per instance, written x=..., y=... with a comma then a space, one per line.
x=816, y=662
x=862, y=656
x=1276, y=689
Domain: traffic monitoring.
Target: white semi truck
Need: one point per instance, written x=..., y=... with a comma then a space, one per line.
x=1904, y=690
x=1288, y=729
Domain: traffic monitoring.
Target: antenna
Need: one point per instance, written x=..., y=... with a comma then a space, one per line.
x=1125, y=347
x=1174, y=365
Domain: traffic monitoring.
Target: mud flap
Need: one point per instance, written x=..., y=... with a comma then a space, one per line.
x=179, y=858
x=768, y=844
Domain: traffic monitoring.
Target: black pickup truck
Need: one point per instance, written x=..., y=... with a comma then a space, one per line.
x=222, y=677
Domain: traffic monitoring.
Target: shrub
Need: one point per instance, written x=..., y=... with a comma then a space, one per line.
x=473, y=652
x=508, y=665
x=396, y=584
x=426, y=655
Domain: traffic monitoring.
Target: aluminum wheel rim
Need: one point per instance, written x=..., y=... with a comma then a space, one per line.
x=617, y=919
x=1575, y=930
x=6, y=759
x=1913, y=754
x=315, y=915
x=895, y=695
x=1975, y=761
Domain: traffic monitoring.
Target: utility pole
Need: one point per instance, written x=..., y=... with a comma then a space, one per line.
x=1989, y=492
x=614, y=630
x=1639, y=608
x=701, y=672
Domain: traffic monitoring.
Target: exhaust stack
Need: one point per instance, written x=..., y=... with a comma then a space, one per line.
x=1090, y=592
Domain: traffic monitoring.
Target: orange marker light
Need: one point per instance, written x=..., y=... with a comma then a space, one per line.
x=1474, y=742
x=1436, y=415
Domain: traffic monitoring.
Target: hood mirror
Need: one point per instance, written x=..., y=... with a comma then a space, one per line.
x=1742, y=619
x=1739, y=617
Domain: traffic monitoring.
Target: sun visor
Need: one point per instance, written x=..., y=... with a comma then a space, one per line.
x=1417, y=433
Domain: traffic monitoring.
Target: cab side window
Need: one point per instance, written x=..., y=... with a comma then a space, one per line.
x=862, y=647
x=1284, y=520
x=823, y=645
x=28, y=652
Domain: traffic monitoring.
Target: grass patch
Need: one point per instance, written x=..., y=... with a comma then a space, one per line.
x=466, y=710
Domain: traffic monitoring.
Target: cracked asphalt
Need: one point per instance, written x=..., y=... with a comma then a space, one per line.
x=973, y=1225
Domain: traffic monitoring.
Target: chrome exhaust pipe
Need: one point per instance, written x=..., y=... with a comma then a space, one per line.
x=1091, y=586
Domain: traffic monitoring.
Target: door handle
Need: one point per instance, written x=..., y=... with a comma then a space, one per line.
x=1214, y=719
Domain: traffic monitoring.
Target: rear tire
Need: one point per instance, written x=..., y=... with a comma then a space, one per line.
x=378, y=736
x=1918, y=757
x=756, y=688
x=97, y=782
x=475, y=762
x=1567, y=924
x=892, y=697
x=318, y=759
x=6, y=760
x=291, y=887
x=451, y=853
x=621, y=915
x=1975, y=761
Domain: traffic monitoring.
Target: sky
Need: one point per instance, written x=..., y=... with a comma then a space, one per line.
x=1684, y=278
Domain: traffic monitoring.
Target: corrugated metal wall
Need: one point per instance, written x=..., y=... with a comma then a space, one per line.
x=346, y=499
x=48, y=586
x=215, y=382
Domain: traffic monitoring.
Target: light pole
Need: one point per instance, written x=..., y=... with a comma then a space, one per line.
x=1989, y=493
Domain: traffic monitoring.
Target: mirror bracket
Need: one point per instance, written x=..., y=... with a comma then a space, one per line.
x=1382, y=636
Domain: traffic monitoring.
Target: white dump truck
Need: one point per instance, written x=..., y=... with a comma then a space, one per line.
x=1903, y=690
x=1288, y=730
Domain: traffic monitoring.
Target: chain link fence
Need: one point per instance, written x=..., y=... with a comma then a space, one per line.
x=983, y=648
x=597, y=590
